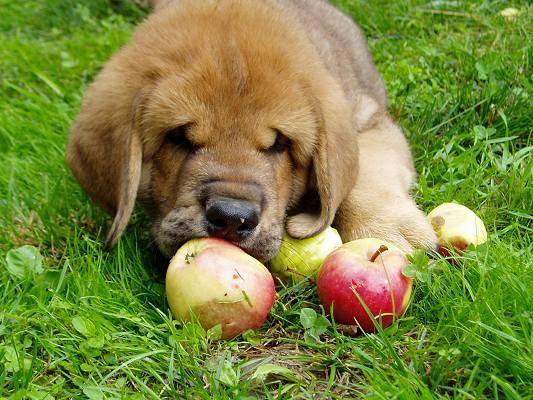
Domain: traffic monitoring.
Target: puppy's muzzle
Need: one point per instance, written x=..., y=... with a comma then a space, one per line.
x=231, y=219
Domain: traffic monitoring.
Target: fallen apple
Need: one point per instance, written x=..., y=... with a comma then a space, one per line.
x=456, y=226
x=300, y=258
x=365, y=270
x=220, y=284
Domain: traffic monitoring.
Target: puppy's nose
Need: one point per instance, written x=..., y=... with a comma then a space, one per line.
x=231, y=219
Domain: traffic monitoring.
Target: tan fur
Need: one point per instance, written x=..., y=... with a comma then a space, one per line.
x=235, y=72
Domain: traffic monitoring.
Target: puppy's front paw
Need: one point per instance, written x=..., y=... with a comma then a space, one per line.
x=415, y=228
x=399, y=222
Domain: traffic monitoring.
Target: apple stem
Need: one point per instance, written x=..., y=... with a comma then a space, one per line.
x=381, y=249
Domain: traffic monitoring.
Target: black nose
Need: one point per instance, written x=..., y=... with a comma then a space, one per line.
x=231, y=219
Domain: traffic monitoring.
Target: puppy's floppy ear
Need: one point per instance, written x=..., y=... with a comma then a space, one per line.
x=335, y=161
x=104, y=151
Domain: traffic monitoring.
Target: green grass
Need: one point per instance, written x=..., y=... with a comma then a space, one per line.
x=95, y=324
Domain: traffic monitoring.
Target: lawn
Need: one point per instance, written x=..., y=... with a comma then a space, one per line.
x=77, y=321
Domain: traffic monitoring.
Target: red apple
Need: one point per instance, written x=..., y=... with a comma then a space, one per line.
x=298, y=258
x=372, y=268
x=220, y=284
x=456, y=227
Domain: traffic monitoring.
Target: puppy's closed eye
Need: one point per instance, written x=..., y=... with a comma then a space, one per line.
x=280, y=145
x=179, y=137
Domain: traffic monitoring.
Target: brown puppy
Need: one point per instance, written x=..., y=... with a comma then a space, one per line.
x=242, y=118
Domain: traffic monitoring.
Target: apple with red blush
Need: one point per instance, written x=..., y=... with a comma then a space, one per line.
x=365, y=276
x=221, y=285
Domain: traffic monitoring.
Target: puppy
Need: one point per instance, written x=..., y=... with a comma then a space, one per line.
x=241, y=119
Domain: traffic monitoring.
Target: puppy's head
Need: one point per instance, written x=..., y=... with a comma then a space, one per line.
x=222, y=122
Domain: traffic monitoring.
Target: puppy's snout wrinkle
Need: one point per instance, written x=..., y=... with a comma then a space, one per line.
x=233, y=189
x=231, y=219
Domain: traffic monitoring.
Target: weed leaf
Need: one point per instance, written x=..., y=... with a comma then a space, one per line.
x=409, y=271
x=84, y=326
x=307, y=317
x=226, y=374
x=215, y=333
x=93, y=393
x=251, y=337
x=321, y=324
x=24, y=261
x=263, y=371
x=310, y=337
x=96, y=342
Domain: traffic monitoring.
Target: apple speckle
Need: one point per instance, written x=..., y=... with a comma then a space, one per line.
x=356, y=285
x=188, y=257
x=238, y=275
x=459, y=243
x=437, y=222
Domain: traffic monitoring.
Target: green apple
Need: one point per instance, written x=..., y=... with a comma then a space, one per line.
x=220, y=284
x=299, y=258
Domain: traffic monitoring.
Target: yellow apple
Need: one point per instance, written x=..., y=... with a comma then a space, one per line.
x=456, y=226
